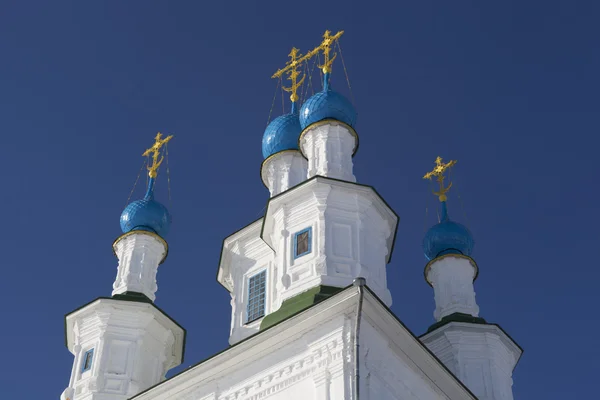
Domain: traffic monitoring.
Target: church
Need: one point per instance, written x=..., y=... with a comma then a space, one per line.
x=310, y=304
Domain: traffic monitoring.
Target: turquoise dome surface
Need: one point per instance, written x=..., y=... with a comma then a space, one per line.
x=282, y=134
x=327, y=104
x=447, y=237
x=146, y=214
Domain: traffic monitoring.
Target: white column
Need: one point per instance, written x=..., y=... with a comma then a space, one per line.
x=452, y=281
x=139, y=255
x=283, y=170
x=329, y=147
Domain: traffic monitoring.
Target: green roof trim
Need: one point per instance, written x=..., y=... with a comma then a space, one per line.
x=461, y=317
x=456, y=317
x=298, y=303
x=339, y=290
x=133, y=296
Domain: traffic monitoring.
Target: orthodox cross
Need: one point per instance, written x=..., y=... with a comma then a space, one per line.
x=155, y=151
x=438, y=172
x=326, y=48
x=291, y=69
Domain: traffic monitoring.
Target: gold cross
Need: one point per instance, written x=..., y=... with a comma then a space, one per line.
x=326, y=47
x=293, y=74
x=438, y=172
x=155, y=151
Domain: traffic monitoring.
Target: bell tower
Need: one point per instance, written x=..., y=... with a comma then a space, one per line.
x=321, y=230
x=124, y=344
x=480, y=354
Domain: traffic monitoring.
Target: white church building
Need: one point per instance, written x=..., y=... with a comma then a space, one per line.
x=310, y=304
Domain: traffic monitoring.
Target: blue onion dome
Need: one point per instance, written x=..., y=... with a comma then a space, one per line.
x=282, y=133
x=146, y=214
x=447, y=237
x=327, y=104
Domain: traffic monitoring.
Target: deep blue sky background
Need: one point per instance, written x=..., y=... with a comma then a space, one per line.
x=510, y=89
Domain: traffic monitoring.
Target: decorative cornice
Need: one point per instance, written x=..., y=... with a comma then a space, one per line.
x=316, y=361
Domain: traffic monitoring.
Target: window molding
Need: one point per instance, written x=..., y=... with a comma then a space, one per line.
x=260, y=312
x=84, y=362
x=295, y=240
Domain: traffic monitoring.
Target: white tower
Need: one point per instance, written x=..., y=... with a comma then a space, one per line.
x=284, y=166
x=480, y=354
x=124, y=344
x=317, y=236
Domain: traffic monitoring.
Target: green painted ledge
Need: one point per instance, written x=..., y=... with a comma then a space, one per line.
x=456, y=317
x=133, y=296
x=299, y=303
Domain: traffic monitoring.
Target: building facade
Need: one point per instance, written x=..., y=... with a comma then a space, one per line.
x=310, y=316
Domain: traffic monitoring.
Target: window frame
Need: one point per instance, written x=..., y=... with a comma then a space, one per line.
x=264, y=294
x=85, y=357
x=309, y=230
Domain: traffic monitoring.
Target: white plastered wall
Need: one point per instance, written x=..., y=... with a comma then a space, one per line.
x=283, y=170
x=352, y=234
x=311, y=356
x=244, y=255
x=482, y=356
x=134, y=346
x=452, y=279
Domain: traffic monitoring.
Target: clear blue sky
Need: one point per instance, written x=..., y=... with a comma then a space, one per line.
x=510, y=89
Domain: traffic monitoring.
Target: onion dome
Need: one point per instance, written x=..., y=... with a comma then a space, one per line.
x=447, y=237
x=146, y=214
x=327, y=104
x=282, y=133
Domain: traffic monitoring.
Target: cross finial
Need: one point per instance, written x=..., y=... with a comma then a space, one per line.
x=155, y=151
x=293, y=74
x=326, y=48
x=438, y=172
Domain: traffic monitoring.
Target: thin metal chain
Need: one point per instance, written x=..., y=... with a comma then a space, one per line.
x=309, y=72
x=310, y=84
x=320, y=70
x=345, y=72
x=273, y=103
x=136, y=181
x=425, y=224
x=168, y=172
x=282, y=96
x=304, y=89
